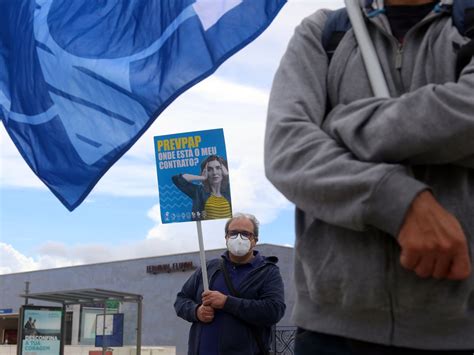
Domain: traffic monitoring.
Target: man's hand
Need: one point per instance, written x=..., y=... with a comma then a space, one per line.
x=205, y=314
x=215, y=299
x=433, y=242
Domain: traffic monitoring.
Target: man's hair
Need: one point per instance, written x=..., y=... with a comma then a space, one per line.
x=248, y=216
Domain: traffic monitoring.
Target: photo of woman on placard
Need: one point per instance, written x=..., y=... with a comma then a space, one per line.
x=210, y=191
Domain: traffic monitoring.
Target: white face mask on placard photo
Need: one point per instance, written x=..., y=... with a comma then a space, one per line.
x=238, y=246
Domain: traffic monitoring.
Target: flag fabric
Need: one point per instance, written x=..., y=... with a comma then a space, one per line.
x=81, y=81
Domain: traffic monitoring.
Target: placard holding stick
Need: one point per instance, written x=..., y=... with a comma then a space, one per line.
x=202, y=256
x=193, y=180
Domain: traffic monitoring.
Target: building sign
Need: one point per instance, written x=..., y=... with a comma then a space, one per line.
x=41, y=330
x=167, y=268
x=193, y=176
x=6, y=310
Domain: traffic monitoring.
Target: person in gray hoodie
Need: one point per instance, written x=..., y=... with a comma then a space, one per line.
x=383, y=187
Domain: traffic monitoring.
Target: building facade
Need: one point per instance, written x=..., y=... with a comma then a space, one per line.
x=157, y=279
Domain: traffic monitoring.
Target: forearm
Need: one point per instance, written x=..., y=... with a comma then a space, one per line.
x=191, y=177
x=186, y=308
x=431, y=125
x=184, y=185
x=187, y=300
x=327, y=181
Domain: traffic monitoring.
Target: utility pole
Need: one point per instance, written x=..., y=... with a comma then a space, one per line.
x=27, y=291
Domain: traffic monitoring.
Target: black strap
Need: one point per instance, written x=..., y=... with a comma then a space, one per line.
x=465, y=54
x=336, y=26
x=235, y=293
x=469, y=22
x=228, y=281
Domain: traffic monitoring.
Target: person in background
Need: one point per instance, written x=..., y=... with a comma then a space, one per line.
x=235, y=316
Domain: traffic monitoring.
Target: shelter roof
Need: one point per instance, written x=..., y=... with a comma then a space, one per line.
x=93, y=295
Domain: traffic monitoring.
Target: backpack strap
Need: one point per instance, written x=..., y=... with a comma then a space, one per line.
x=336, y=26
x=462, y=12
x=463, y=17
x=227, y=279
x=469, y=22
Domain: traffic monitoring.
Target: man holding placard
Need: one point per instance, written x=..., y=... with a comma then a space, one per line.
x=245, y=296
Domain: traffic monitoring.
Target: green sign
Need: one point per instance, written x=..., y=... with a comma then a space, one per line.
x=112, y=304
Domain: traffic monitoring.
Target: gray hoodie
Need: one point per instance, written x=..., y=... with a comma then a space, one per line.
x=354, y=172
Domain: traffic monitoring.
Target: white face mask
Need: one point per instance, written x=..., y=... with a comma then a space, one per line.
x=238, y=246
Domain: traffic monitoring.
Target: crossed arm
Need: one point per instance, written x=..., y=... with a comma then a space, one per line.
x=432, y=125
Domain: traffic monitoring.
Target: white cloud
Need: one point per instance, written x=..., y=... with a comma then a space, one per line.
x=13, y=261
x=161, y=240
x=49, y=255
x=221, y=91
x=183, y=237
x=14, y=172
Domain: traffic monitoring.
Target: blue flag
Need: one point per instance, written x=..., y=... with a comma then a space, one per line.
x=81, y=81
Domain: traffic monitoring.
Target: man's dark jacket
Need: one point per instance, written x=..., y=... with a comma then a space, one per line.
x=262, y=305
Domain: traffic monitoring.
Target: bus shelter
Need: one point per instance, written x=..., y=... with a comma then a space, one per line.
x=87, y=296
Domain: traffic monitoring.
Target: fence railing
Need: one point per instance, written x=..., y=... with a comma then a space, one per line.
x=283, y=340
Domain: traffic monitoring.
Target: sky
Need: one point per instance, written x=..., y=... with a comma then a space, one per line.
x=120, y=219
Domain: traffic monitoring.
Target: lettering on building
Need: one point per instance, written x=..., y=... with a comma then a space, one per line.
x=167, y=268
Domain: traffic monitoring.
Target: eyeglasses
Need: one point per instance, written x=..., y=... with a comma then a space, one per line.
x=233, y=234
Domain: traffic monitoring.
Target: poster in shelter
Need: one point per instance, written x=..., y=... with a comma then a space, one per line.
x=41, y=330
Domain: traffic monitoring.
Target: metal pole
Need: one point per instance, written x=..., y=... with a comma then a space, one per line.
x=202, y=255
x=103, y=328
x=371, y=61
x=139, y=326
x=27, y=291
x=63, y=330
